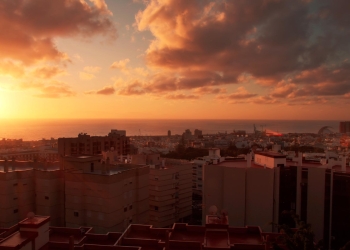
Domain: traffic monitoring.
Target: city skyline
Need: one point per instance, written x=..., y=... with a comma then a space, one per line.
x=174, y=59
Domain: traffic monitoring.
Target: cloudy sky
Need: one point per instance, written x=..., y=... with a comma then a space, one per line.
x=223, y=59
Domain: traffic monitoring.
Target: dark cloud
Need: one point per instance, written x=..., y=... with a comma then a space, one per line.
x=28, y=27
x=208, y=44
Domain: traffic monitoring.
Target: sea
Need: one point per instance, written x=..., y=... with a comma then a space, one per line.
x=39, y=129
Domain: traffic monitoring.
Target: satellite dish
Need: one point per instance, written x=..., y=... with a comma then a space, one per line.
x=30, y=215
x=213, y=210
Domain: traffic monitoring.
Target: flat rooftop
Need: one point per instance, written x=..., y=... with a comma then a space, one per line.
x=180, y=236
x=270, y=154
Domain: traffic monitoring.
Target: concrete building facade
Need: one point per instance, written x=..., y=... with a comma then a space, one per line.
x=170, y=192
x=255, y=194
x=108, y=200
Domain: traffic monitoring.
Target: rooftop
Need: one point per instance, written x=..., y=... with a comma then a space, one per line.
x=270, y=154
x=180, y=236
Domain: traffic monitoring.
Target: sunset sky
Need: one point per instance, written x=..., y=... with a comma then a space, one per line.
x=169, y=59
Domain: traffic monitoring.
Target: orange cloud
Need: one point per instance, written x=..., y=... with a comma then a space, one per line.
x=91, y=69
x=241, y=93
x=107, y=90
x=209, y=90
x=181, y=97
x=48, y=72
x=53, y=89
x=12, y=69
x=29, y=27
x=86, y=76
x=121, y=65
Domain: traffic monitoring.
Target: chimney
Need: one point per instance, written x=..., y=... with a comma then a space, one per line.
x=343, y=163
x=39, y=225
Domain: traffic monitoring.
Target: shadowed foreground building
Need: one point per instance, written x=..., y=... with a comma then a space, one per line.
x=86, y=191
x=78, y=191
x=257, y=192
x=34, y=233
x=107, y=197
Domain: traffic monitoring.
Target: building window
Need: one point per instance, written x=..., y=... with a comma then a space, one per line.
x=15, y=211
x=76, y=214
x=46, y=197
x=15, y=198
x=15, y=184
x=130, y=207
x=156, y=208
x=130, y=221
x=125, y=209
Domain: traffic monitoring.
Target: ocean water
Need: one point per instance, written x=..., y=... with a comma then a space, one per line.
x=38, y=129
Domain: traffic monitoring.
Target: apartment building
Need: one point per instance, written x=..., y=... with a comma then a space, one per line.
x=78, y=191
x=170, y=192
x=170, y=188
x=107, y=197
x=198, y=165
x=258, y=192
x=29, y=187
x=85, y=144
x=197, y=176
x=31, y=155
